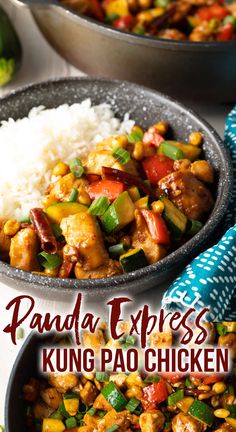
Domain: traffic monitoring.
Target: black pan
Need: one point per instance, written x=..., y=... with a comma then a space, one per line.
x=186, y=70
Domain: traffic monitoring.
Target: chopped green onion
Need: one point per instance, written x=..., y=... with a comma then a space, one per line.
x=221, y=329
x=102, y=376
x=99, y=206
x=74, y=195
x=76, y=168
x=193, y=227
x=57, y=231
x=79, y=416
x=152, y=379
x=121, y=155
x=135, y=136
x=175, y=397
x=71, y=396
x=132, y=404
x=139, y=30
x=92, y=411
x=170, y=151
x=110, y=18
x=71, y=422
x=25, y=219
x=101, y=413
x=49, y=261
x=112, y=428
x=189, y=383
x=138, y=410
x=117, y=250
x=20, y=333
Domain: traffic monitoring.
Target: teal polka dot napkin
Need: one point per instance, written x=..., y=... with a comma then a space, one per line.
x=210, y=279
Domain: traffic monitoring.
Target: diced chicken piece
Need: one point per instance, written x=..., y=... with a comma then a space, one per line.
x=188, y=193
x=229, y=340
x=173, y=34
x=119, y=379
x=82, y=231
x=152, y=421
x=141, y=238
x=24, y=249
x=91, y=421
x=51, y=397
x=101, y=403
x=201, y=33
x=5, y=242
x=123, y=419
x=61, y=189
x=182, y=9
x=41, y=411
x=85, y=429
x=110, y=268
x=161, y=339
x=184, y=422
x=88, y=393
x=63, y=382
x=113, y=142
x=225, y=427
x=99, y=158
x=93, y=340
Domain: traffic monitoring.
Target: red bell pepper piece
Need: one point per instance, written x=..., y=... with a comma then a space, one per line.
x=156, y=167
x=124, y=22
x=151, y=137
x=157, y=227
x=108, y=188
x=226, y=32
x=213, y=11
x=93, y=178
x=97, y=10
x=173, y=377
x=153, y=395
x=213, y=379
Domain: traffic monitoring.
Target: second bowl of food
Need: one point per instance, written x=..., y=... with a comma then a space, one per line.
x=111, y=186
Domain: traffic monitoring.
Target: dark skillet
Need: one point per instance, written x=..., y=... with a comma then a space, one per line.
x=145, y=107
x=186, y=70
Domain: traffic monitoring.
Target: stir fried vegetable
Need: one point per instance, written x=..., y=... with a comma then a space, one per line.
x=194, y=20
x=130, y=202
x=102, y=401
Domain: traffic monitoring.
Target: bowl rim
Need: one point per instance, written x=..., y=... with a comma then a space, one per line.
x=130, y=37
x=121, y=281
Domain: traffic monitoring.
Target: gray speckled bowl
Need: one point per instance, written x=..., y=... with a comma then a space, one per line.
x=145, y=107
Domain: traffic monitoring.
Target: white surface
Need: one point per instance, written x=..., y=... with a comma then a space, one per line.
x=41, y=63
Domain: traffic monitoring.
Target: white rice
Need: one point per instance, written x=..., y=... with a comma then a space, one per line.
x=30, y=148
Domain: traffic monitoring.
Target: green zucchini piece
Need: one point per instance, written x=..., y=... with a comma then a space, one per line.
x=142, y=203
x=202, y=412
x=133, y=260
x=175, y=397
x=114, y=396
x=10, y=49
x=56, y=212
x=193, y=227
x=134, y=193
x=175, y=219
x=119, y=214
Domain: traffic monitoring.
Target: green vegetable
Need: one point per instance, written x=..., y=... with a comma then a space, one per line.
x=102, y=376
x=56, y=415
x=121, y=155
x=112, y=428
x=135, y=136
x=10, y=49
x=221, y=329
x=133, y=260
x=56, y=212
x=134, y=193
x=57, y=231
x=175, y=219
x=70, y=396
x=110, y=18
x=202, y=412
x=119, y=214
x=74, y=195
x=189, y=383
x=170, y=151
x=92, y=411
x=132, y=404
x=71, y=422
x=101, y=413
x=161, y=3
x=229, y=390
x=117, y=250
x=128, y=341
x=230, y=326
x=193, y=227
x=25, y=219
x=142, y=203
x=190, y=151
x=232, y=410
x=49, y=261
x=99, y=206
x=230, y=19
x=139, y=30
x=63, y=411
x=114, y=396
x=175, y=397
x=152, y=379
x=76, y=168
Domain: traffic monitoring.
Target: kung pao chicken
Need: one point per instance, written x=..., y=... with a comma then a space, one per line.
x=107, y=402
x=194, y=20
x=132, y=201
